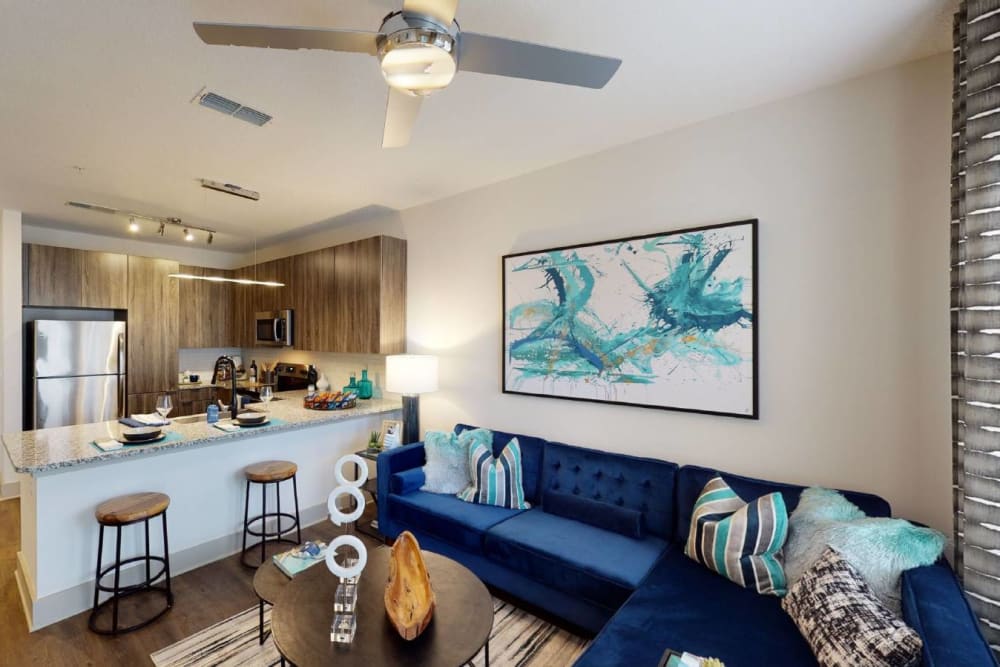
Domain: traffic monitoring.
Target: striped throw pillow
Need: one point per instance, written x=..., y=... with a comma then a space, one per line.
x=740, y=540
x=495, y=480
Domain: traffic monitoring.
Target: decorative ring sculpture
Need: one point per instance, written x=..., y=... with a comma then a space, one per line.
x=331, y=557
x=338, y=517
x=361, y=467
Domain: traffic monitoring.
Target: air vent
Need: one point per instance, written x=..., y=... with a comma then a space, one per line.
x=234, y=109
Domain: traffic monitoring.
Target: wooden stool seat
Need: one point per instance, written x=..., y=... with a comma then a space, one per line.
x=131, y=508
x=271, y=471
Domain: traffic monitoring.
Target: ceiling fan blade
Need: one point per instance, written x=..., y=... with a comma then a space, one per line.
x=291, y=37
x=443, y=11
x=400, y=115
x=508, y=57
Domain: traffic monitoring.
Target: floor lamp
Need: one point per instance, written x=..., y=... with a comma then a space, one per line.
x=411, y=375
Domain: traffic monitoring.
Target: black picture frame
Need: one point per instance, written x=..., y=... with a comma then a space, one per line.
x=754, y=413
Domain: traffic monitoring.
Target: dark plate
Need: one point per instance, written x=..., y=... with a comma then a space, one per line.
x=141, y=437
x=253, y=424
x=254, y=419
x=147, y=441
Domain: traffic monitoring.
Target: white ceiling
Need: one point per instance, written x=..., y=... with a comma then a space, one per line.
x=107, y=85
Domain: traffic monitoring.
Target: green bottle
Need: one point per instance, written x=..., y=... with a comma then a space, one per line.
x=364, y=385
x=353, y=386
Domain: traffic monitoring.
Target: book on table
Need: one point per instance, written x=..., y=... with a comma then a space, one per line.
x=304, y=556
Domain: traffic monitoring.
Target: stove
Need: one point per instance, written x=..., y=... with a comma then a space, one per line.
x=292, y=377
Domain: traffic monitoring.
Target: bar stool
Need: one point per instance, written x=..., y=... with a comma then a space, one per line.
x=118, y=513
x=264, y=473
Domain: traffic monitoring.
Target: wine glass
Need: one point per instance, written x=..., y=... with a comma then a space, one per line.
x=266, y=394
x=164, y=405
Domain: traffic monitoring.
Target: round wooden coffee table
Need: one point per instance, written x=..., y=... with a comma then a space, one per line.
x=463, y=618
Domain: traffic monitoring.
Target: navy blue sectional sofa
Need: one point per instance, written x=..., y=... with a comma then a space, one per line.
x=639, y=595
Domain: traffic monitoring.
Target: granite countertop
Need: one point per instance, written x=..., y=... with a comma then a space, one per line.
x=67, y=446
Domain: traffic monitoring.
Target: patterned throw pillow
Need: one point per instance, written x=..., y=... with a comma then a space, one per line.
x=739, y=540
x=843, y=621
x=447, y=467
x=495, y=480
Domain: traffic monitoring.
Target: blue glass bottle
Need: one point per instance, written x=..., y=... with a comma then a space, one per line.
x=352, y=387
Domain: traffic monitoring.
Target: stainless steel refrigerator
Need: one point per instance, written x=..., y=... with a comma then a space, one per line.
x=78, y=372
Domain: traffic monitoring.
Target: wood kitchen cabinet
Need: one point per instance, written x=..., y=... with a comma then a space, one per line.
x=241, y=309
x=206, y=311
x=193, y=401
x=70, y=278
x=144, y=404
x=153, y=314
x=272, y=298
x=313, y=296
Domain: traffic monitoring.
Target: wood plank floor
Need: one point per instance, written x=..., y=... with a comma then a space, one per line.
x=202, y=597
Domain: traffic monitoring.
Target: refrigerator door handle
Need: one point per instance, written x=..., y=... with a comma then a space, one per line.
x=121, y=377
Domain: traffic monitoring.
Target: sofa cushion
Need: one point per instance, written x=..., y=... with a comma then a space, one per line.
x=684, y=606
x=531, y=459
x=602, y=515
x=495, y=480
x=447, y=467
x=596, y=565
x=447, y=518
x=692, y=479
x=645, y=485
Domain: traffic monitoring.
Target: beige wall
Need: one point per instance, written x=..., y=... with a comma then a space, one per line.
x=850, y=184
x=10, y=337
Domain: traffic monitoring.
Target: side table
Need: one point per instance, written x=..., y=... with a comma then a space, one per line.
x=371, y=487
x=268, y=582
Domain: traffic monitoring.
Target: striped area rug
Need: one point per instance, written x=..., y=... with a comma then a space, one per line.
x=518, y=640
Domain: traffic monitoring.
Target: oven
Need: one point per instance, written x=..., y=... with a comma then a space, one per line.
x=273, y=328
x=292, y=377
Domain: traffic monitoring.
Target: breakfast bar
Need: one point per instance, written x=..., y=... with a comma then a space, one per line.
x=64, y=476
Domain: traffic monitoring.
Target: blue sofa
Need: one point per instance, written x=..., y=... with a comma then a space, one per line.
x=640, y=595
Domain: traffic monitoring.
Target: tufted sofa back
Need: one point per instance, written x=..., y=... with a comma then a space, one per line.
x=645, y=485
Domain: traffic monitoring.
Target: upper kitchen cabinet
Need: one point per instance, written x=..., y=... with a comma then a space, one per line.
x=272, y=298
x=352, y=297
x=241, y=308
x=153, y=315
x=69, y=278
x=206, y=309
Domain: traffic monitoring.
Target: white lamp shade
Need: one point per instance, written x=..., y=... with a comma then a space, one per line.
x=411, y=373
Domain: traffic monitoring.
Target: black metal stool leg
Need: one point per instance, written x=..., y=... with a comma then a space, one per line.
x=146, y=522
x=166, y=560
x=263, y=522
x=298, y=526
x=97, y=577
x=277, y=495
x=260, y=624
x=118, y=571
x=246, y=518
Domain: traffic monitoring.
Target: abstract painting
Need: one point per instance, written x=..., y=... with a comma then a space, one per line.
x=666, y=320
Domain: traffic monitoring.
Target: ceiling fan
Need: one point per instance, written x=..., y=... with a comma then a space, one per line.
x=419, y=50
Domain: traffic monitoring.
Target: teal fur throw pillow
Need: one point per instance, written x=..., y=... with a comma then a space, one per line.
x=447, y=467
x=879, y=549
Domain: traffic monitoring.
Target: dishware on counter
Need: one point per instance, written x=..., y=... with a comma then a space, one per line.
x=164, y=405
x=322, y=384
x=266, y=394
x=364, y=386
x=251, y=418
x=141, y=434
x=327, y=400
x=194, y=379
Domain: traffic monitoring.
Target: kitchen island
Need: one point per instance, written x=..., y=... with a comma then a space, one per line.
x=65, y=476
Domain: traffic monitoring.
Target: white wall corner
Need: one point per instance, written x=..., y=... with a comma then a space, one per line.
x=10, y=339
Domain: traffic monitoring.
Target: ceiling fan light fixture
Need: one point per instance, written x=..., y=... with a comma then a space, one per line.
x=418, y=61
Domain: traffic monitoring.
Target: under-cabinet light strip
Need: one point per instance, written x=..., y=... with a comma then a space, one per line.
x=220, y=279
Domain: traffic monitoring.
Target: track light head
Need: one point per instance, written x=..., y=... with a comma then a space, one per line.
x=133, y=226
x=210, y=235
x=163, y=226
x=188, y=236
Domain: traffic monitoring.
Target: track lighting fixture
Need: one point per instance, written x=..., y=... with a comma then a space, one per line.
x=134, y=217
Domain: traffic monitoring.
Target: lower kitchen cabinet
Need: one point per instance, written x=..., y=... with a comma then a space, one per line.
x=193, y=401
x=146, y=403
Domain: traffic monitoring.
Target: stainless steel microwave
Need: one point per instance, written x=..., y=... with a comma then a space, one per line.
x=273, y=328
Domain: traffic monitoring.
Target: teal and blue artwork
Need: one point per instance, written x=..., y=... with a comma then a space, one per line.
x=667, y=320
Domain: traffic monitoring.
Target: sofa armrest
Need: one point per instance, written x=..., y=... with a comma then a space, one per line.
x=390, y=462
x=935, y=606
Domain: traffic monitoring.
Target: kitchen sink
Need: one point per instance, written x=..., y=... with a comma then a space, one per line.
x=190, y=419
